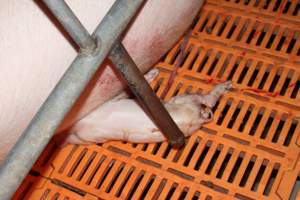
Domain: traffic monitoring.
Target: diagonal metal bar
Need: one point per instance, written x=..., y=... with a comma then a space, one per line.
x=40, y=130
x=127, y=69
x=142, y=90
x=71, y=23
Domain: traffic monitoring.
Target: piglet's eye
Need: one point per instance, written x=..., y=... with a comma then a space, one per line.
x=202, y=106
x=209, y=115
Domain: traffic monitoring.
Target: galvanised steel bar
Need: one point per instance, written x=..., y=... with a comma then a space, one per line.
x=40, y=130
x=127, y=69
x=71, y=23
x=142, y=90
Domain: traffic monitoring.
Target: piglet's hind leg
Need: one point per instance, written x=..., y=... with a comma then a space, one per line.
x=214, y=95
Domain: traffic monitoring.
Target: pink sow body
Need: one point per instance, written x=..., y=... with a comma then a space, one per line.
x=34, y=54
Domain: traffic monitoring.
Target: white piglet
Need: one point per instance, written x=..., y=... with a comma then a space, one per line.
x=124, y=119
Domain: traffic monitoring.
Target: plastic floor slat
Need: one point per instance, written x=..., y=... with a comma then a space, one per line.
x=249, y=151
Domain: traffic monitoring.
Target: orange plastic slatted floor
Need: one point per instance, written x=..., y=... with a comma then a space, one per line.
x=250, y=150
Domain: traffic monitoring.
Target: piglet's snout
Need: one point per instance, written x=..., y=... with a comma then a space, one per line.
x=206, y=113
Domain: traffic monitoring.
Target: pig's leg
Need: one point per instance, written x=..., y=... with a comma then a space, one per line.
x=208, y=100
x=150, y=76
x=154, y=136
x=213, y=96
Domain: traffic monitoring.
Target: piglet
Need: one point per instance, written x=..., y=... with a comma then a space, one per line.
x=123, y=119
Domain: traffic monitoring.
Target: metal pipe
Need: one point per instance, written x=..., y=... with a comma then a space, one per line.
x=142, y=90
x=127, y=68
x=40, y=130
x=71, y=23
